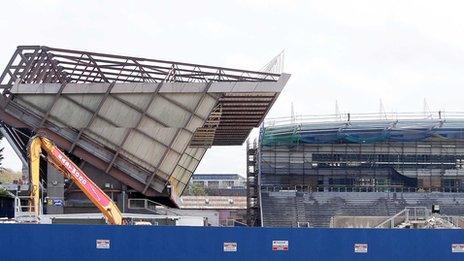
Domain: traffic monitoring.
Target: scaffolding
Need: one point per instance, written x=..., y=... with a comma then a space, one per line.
x=381, y=151
x=253, y=195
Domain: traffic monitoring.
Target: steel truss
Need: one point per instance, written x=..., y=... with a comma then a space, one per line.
x=41, y=64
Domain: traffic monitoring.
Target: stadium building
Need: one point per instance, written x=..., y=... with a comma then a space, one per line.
x=218, y=181
x=307, y=171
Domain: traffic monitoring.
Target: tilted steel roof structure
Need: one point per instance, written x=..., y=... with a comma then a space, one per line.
x=145, y=122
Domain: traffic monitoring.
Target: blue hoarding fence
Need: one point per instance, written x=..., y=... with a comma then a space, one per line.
x=101, y=242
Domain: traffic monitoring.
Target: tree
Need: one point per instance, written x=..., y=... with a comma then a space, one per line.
x=196, y=190
x=4, y=193
x=1, y=153
x=9, y=176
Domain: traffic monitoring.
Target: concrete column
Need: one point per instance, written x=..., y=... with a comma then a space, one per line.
x=54, y=202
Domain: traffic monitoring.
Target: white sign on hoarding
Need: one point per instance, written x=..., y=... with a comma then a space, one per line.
x=58, y=202
x=103, y=244
x=280, y=245
x=230, y=247
x=360, y=248
x=457, y=248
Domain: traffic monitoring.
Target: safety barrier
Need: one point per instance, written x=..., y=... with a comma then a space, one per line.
x=102, y=242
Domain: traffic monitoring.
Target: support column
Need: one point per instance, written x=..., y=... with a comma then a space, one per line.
x=54, y=203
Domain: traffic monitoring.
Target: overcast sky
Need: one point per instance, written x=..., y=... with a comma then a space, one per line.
x=355, y=52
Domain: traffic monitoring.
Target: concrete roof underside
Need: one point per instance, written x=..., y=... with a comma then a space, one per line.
x=145, y=122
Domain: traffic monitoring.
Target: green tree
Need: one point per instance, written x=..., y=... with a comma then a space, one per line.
x=9, y=175
x=1, y=153
x=2, y=170
x=3, y=193
x=196, y=190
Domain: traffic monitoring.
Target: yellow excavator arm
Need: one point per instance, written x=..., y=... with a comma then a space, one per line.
x=66, y=167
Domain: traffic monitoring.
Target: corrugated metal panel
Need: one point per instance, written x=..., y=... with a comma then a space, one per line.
x=139, y=100
x=185, y=167
x=119, y=114
x=89, y=101
x=170, y=162
x=181, y=140
x=42, y=101
x=146, y=149
x=69, y=113
x=167, y=113
x=155, y=130
x=205, y=106
x=189, y=100
x=194, y=123
x=105, y=133
x=147, y=146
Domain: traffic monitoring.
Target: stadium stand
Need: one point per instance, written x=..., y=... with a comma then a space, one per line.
x=287, y=208
x=311, y=169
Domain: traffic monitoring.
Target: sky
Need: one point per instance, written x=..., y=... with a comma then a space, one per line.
x=353, y=52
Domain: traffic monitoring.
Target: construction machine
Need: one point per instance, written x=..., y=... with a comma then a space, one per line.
x=67, y=168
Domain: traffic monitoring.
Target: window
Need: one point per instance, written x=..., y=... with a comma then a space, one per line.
x=228, y=184
x=213, y=184
x=201, y=183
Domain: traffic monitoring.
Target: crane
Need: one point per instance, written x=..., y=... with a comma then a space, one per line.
x=70, y=170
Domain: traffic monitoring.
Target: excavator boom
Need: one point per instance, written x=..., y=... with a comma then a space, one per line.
x=70, y=170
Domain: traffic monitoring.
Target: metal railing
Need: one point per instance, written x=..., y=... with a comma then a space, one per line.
x=26, y=213
x=230, y=222
x=150, y=206
x=399, y=189
x=456, y=221
x=406, y=216
x=42, y=64
x=360, y=117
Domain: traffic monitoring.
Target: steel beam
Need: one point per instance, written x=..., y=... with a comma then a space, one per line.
x=7, y=69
